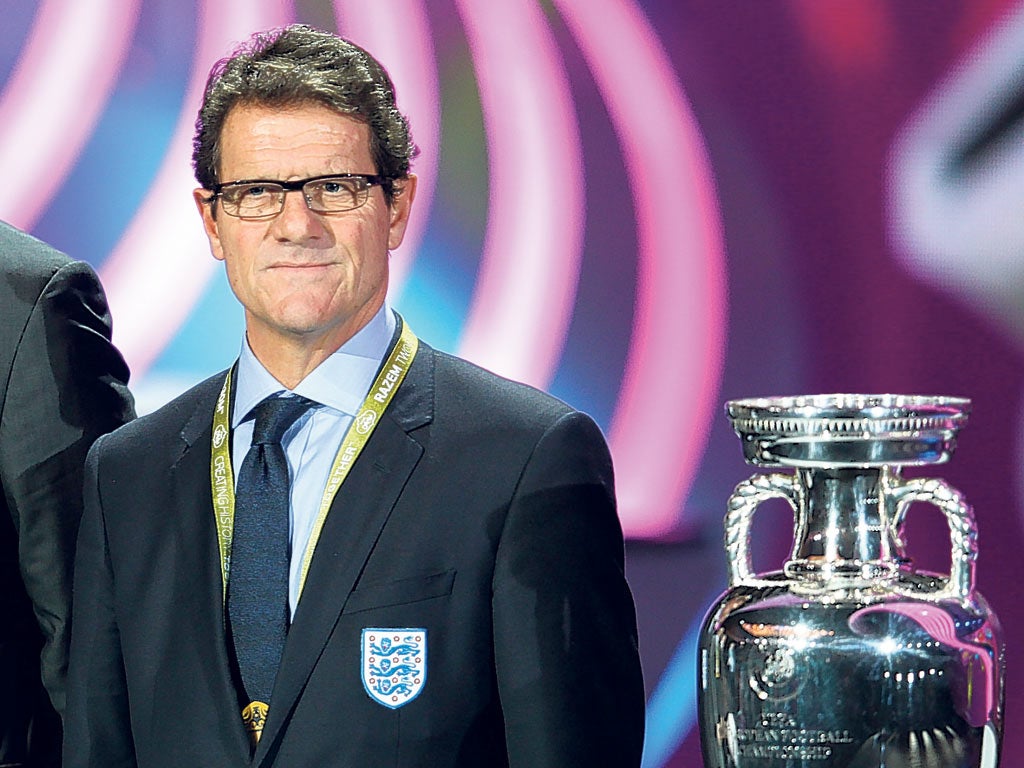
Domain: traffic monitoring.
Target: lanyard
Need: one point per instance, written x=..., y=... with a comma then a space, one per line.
x=358, y=434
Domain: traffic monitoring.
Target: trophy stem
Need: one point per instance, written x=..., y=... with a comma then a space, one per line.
x=844, y=533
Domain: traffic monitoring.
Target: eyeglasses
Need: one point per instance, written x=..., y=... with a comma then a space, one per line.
x=260, y=199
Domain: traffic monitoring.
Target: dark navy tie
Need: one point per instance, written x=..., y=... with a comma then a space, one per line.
x=258, y=578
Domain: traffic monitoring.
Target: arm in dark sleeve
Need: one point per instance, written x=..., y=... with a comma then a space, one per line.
x=97, y=726
x=565, y=640
x=67, y=386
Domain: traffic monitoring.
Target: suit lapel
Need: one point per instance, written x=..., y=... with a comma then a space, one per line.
x=354, y=524
x=190, y=484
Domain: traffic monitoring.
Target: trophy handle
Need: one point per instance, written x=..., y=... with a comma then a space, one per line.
x=963, y=533
x=741, y=506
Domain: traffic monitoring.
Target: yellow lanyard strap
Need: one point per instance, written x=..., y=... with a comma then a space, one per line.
x=356, y=436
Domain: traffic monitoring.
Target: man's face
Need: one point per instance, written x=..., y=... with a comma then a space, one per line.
x=304, y=277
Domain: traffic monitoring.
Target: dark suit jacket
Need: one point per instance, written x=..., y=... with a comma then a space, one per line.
x=481, y=511
x=62, y=383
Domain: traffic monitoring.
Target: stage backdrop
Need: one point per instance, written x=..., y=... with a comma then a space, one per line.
x=645, y=207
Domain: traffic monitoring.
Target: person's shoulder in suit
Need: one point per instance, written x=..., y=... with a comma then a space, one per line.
x=503, y=402
x=24, y=254
x=167, y=423
x=506, y=420
x=27, y=265
x=51, y=303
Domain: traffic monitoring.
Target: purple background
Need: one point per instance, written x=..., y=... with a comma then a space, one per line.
x=799, y=104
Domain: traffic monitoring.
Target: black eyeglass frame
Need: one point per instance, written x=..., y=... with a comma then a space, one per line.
x=297, y=186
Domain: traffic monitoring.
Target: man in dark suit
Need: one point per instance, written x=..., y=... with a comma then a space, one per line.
x=455, y=597
x=62, y=384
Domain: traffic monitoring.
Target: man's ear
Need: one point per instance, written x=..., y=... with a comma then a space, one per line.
x=401, y=207
x=205, y=205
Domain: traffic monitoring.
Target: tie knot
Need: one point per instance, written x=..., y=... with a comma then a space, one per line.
x=274, y=415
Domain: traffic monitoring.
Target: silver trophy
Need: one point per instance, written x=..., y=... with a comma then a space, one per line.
x=849, y=656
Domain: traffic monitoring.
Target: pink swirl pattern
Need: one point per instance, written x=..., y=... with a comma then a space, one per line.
x=977, y=695
x=408, y=50
x=526, y=284
x=51, y=104
x=670, y=384
x=162, y=264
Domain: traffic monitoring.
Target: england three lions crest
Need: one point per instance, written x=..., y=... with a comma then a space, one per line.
x=394, y=664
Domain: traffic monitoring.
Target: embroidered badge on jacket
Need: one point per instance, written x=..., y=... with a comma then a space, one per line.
x=394, y=664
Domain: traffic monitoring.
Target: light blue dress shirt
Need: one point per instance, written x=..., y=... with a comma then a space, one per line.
x=338, y=386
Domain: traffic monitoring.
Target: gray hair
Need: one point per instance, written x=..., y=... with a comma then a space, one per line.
x=298, y=65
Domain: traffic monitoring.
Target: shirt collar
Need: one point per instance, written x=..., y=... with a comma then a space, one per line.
x=340, y=382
